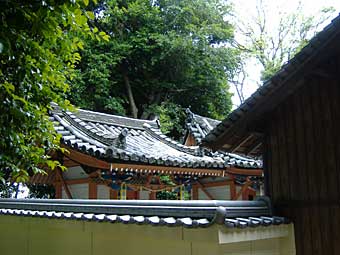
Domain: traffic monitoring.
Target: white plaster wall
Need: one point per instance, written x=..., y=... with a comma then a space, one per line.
x=75, y=172
x=202, y=195
x=144, y=195
x=214, y=179
x=103, y=192
x=238, y=188
x=80, y=191
x=220, y=192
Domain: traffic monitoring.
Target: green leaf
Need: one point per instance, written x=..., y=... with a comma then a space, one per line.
x=90, y=15
x=33, y=77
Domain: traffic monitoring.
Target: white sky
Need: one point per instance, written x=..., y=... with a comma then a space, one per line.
x=247, y=8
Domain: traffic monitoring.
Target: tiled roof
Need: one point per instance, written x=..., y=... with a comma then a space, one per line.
x=43, y=178
x=232, y=214
x=199, y=126
x=121, y=139
x=309, y=53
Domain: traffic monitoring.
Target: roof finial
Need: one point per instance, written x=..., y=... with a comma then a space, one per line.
x=121, y=140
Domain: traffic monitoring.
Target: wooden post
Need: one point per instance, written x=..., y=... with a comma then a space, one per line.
x=152, y=195
x=232, y=190
x=61, y=179
x=113, y=194
x=245, y=194
x=92, y=189
x=249, y=193
x=194, y=194
x=58, y=190
x=243, y=189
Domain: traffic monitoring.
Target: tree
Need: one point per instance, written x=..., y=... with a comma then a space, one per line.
x=8, y=189
x=272, y=43
x=39, y=41
x=45, y=191
x=163, y=55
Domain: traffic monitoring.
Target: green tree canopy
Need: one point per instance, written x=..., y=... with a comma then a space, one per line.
x=39, y=41
x=162, y=56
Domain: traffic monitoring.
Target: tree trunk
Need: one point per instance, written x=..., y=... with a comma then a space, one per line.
x=133, y=108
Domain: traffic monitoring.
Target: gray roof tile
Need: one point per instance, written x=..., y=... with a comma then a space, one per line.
x=192, y=214
x=141, y=142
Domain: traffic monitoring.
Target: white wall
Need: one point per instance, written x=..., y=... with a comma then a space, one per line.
x=78, y=191
x=220, y=193
x=144, y=195
x=75, y=172
x=103, y=192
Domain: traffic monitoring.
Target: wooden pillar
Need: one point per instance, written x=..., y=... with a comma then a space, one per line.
x=61, y=180
x=245, y=194
x=92, y=189
x=152, y=195
x=58, y=190
x=194, y=191
x=232, y=190
x=113, y=194
x=249, y=194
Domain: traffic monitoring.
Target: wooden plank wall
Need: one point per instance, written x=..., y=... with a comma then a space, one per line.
x=302, y=164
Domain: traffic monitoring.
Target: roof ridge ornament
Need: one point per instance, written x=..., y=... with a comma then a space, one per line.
x=204, y=151
x=120, y=142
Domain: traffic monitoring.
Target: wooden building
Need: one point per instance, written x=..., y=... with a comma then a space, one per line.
x=293, y=120
x=114, y=157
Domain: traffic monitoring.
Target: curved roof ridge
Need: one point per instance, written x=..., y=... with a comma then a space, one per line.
x=153, y=122
x=79, y=132
x=145, y=144
x=105, y=118
x=193, y=150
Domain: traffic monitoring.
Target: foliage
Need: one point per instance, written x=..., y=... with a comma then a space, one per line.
x=169, y=195
x=41, y=191
x=39, y=41
x=172, y=117
x=163, y=56
x=166, y=195
x=272, y=43
x=8, y=189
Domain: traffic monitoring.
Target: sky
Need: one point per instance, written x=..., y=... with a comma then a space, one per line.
x=247, y=8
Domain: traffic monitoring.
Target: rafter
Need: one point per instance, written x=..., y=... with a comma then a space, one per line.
x=252, y=148
x=240, y=143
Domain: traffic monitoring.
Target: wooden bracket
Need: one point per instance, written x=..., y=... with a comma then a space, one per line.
x=202, y=187
x=62, y=180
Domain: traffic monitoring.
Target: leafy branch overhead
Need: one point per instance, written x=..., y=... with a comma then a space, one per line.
x=39, y=43
x=162, y=55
